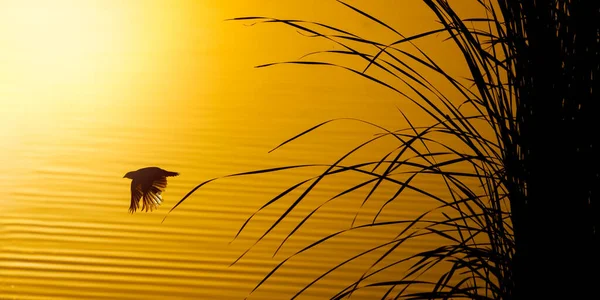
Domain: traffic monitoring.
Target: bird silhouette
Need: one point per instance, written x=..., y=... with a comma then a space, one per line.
x=147, y=184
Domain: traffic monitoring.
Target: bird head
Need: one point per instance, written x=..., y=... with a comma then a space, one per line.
x=129, y=175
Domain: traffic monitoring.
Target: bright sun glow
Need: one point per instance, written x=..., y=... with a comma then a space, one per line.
x=53, y=55
x=66, y=64
x=56, y=54
x=55, y=42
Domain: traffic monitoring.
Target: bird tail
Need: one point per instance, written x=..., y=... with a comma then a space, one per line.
x=167, y=173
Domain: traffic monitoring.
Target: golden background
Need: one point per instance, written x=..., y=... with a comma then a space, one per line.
x=90, y=90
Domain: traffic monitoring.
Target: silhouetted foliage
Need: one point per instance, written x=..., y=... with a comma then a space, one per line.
x=520, y=221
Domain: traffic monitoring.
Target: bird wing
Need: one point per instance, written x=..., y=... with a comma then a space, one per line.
x=160, y=183
x=136, y=195
x=153, y=196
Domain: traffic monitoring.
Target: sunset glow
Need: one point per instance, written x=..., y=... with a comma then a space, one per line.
x=58, y=42
x=93, y=89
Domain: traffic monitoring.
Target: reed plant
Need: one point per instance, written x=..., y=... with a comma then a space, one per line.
x=520, y=170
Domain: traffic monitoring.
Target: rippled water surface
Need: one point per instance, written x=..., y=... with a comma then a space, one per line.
x=90, y=92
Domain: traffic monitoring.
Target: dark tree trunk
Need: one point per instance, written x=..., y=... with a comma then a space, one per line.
x=556, y=218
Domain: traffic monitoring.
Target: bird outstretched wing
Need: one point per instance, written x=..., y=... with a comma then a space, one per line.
x=136, y=195
x=153, y=196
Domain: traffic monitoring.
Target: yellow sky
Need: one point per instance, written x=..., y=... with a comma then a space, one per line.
x=90, y=89
x=133, y=62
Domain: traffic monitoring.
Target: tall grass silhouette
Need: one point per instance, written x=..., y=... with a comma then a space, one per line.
x=499, y=215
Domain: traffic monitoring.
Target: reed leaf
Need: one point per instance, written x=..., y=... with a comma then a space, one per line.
x=523, y=77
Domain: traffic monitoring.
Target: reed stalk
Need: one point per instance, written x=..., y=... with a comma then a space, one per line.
x=519, y=219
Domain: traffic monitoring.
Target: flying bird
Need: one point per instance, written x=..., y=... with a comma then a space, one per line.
x=147, y=184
